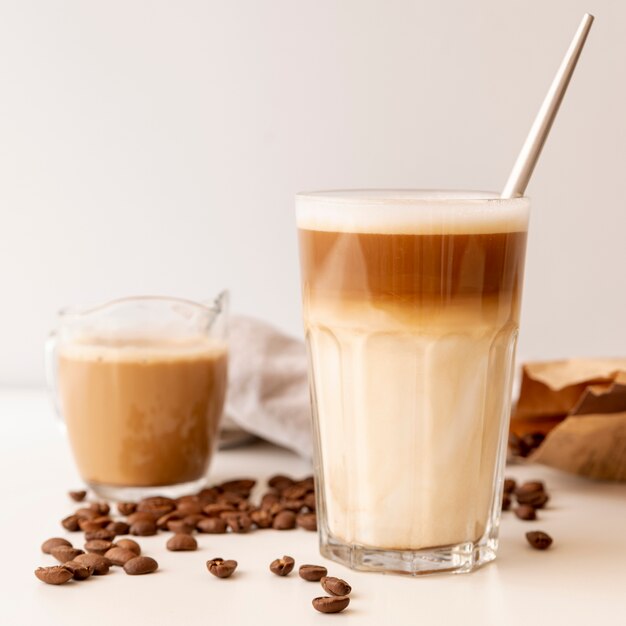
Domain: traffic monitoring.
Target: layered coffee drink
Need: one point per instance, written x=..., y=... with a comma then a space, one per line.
x=411, y=308
x=142, y=412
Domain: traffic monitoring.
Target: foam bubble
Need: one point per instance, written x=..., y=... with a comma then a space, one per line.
x=421, y=212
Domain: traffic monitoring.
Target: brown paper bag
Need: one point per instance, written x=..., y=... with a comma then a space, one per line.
x=581, y=405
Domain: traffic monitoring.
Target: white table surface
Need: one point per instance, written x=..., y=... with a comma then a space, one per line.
x=580, y=580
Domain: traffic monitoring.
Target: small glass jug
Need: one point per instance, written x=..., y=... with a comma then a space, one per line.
x=140, y=385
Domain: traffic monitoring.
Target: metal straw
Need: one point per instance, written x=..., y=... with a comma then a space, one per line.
x=529, y=154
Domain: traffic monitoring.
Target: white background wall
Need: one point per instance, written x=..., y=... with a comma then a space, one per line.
x=151, y=146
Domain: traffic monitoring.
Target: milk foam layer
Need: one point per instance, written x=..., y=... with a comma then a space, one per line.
x=412, y=212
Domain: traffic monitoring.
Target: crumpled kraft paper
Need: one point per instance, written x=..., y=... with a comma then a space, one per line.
x=581, y=405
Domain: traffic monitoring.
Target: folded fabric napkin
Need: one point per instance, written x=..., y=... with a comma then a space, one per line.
x=268, y=392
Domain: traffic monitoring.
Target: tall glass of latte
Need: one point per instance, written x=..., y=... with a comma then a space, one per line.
x=411, y=304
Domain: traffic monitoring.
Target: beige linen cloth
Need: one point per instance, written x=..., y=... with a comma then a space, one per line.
x=268, y=392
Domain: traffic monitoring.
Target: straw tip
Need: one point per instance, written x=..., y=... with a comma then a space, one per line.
x=589, y=17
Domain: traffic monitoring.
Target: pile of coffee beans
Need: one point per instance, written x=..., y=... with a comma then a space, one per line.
x=337, y=589
x=530, y=496
x=523, y=446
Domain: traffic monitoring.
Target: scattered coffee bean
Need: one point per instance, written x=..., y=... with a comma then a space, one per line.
x=180, y=526
x=506, y=502
x=217, y=509
x=86, y=513
x=293, y=505
x=242, y=486
x=221, y=568
x=143, y=528
x=334, y=604
x=280, y=482
x=56, y=575
x=70, y=523
x=98, y=546
x=79, y=570
x=128, y=544
x=77, y=496
x=335, y=586
x=119, y=528
x=212, y=525
x=89, y=526
x=285, y=520
x=539, y=540
x=525, y=512
x=309, y=501
x=536, y=499
x=509, y=485
x=269, y=499
x=192, y=520
x=262, y=518
x=312, y=573
x=99, y=564
x=119, y=556
x=47, y=545
x=142, y=516
x=295, y=492
x=533, y=440
x=126, y=508
x=101, y=508
x=282, y=567
x=208, y=496
x=157, y=505
x=189, y=508
x=63, y=554
x=181, y=542
x=308, y=521
x=164, y=520
x=140, y=565
x=102, y=533
x=239, y=522
x=531, y=486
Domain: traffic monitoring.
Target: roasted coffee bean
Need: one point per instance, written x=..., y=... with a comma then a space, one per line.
x=531, y=486
x=164, y=520
x=212, y=525
x=536, y=499
x=77, y=496
x=142, y=516
x=86, y=513
x=89, y=526
x=102, y=533
x=335, y=586
x=188, y=498
x=269, y=499
x=181, y=542
x=143, y=528
x=189, y=508
x=140, y=565
x=280, y=482
x=506, y=502
x=242, y=486
x=295, y=492
x=126, y=508
x=47, y=545
x=285, y=520
x=180, y=526
x=239, y=522
x=262, y=518
x=293, y=505
x=70, y=523
x=98, y=546
x=63, y=554
x=539, y=540
x=79, y=570
x=312, y=573
x=308, y=521
x=192, y=520
x=230, y=497
x=129, y=544
x=157, y=504
x=509, y=485
x=119, y=556
x=308, y=482
x=99, y=564
x=525, y=512
x=119, y=528
x=56, y=575
x=221, y=568
x=275, y=509
x=334, y=604
x=533, y=440
x=101, y=508
x=517, y=446
x=208, y=496
x=217, y=509
x=282, y=567
x=309, y=501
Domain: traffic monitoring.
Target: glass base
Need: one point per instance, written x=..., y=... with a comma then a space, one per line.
x=122, y=493
x=461, y=558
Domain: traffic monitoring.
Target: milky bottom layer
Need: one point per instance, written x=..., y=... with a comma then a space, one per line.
x=411, y=421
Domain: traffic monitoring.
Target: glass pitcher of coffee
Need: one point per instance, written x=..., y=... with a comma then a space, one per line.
x=140, y=385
